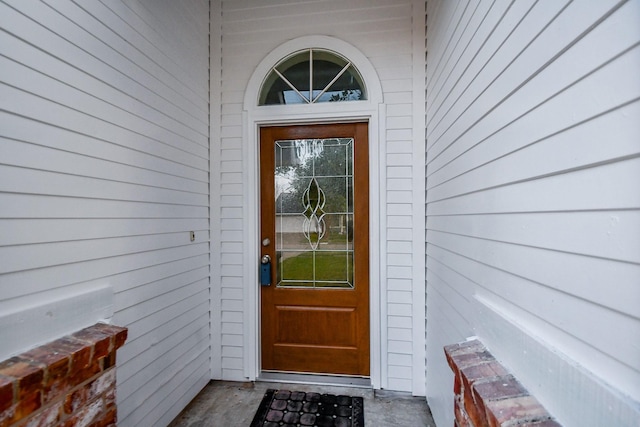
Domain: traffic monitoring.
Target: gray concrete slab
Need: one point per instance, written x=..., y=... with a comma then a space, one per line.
x=230, y=404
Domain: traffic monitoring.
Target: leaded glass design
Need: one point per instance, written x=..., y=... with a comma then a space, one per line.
x=312, y=76
x=314, y=225
x=314, y=212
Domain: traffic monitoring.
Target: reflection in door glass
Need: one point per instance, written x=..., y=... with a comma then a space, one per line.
x=314, y=212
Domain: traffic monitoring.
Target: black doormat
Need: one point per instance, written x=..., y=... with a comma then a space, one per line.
x=297, y=408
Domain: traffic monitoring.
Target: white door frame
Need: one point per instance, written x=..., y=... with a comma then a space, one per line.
x=372, y=111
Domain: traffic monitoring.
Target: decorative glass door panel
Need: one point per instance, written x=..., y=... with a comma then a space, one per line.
x=314, y=212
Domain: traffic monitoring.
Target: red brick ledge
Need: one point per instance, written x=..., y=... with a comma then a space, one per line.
x=486, y=395
x=63, y=383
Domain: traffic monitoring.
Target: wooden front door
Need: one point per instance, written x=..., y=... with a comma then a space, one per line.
x=314, y=187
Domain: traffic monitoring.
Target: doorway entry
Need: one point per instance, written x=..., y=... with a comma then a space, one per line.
x=314, y=220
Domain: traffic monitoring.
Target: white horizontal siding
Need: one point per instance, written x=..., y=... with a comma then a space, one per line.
x=382, y=31
x=104, y=171
x=533, y=199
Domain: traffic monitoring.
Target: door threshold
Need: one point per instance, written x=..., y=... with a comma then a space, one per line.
x=320, y=379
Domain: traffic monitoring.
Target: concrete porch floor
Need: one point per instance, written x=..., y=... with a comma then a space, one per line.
x=230, y=404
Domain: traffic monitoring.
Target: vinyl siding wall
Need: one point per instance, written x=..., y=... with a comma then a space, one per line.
x=382, y=31
x=104, y=164
x=533, y=199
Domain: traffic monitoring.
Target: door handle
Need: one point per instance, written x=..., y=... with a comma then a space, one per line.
x=265, y=270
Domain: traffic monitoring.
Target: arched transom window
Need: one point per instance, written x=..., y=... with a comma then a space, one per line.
x=312, y=76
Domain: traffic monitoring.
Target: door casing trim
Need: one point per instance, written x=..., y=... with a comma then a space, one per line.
x=377, y=309
x=371, y=111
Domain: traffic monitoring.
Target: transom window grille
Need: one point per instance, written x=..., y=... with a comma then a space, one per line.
x=312, y=76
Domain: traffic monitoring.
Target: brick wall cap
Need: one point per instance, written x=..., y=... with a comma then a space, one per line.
x=92, y=335
x=21, y=369
x=46, y=354
x=101, y=341
x=466, y=353
x=487, y=370
x=516, y=411
x=486, y=395
x=470, y=343
x=120, y=333
x=67, y=344
x=464, y=347
x=43, y=375
x=465, y=360
x=498, y=388
x=78, y=350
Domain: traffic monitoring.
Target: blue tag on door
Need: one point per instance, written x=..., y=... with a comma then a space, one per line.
x=265, y=274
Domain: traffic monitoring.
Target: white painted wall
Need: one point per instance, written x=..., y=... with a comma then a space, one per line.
x=383, y=31
x=533, y=199
x=104, y=163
